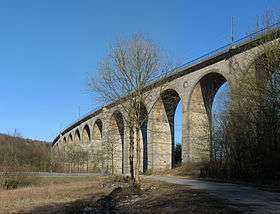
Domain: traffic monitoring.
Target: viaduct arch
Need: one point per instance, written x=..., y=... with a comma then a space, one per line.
x=195, y=86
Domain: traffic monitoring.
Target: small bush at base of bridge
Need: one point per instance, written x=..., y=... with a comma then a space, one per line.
x=13, y=177
x=13, y=181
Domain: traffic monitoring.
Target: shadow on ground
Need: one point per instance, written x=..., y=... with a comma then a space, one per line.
x=149, y=199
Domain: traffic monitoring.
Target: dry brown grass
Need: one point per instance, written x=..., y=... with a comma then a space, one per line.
x=50, y=191
x=73, y=195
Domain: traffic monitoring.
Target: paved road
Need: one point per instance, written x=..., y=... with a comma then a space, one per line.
x=247, y=199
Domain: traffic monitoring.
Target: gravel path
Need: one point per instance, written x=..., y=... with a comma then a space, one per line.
x=246, y=199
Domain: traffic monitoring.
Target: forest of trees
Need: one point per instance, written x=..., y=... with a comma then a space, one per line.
x=24, y=155
x=21, y=159
x=18, y=154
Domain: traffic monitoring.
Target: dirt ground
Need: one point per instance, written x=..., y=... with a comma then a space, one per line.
x=103, y=195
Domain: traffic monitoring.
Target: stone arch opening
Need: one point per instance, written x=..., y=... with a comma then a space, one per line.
x=86, y=135
x=200, y=117
x=116, y=143
x=97, y=132
x=178, y=134
x=220, y=109
x=77, y=137
x=64, y=140
x=70, y=139
x=171, y=100
x=162, y=130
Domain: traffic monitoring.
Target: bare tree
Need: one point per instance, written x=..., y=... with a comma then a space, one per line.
x=130, y=67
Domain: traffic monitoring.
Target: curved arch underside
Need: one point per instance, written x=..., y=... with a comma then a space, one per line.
x=161, y=131
x=97, y=133
x=70, y=139
x=77, y=137
x=86, y=135
x=200, y=117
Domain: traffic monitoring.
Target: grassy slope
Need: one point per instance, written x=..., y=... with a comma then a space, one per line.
x=73, y=194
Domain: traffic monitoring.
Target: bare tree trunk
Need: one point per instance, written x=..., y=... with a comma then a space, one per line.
x=131, y=153
x=138, y=152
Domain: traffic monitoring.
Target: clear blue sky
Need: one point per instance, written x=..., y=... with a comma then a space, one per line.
x=48, y=49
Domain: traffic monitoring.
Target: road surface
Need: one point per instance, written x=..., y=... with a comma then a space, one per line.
x=246, y=199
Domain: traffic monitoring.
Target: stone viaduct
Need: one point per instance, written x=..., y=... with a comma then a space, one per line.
x=195, y=85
